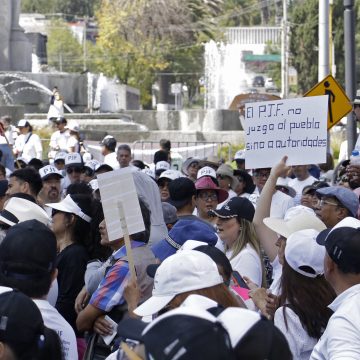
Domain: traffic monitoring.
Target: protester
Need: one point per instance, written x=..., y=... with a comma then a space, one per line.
x=239, y=158
x=163, y=182
x=280, y=202
x=190, y=168
x=208, y=171
x=302, y=178
x=59, y=161
x=160, y=167
x=59, y=139
x=71, y=226
x=336, y=203
x=74, y=167
x=182, y=274
x=27, y=144
x=234, y=221
x=28, y=260
x=182, y=231
x=26, y=181
x=227, y=180
x=123, y=155
x=108, y=146
x=169, y=213
x=308, y=196
x=6, y=145
x=51, y=185
x=305, y=294
x=109, y=295
x=341, y=338
x=245, y=185
x=73, y=143
x=208, y=196
x=23, y=334
x=88, y=172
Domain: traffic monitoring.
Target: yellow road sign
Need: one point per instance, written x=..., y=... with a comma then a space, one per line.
x=339, y=104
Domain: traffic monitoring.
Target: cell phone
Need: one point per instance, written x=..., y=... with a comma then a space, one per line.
x=238, y=280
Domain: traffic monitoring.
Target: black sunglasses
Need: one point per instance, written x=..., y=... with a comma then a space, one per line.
x=75, y=169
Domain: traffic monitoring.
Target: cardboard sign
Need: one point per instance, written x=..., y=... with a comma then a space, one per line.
x=293, y=127
x=118, y=186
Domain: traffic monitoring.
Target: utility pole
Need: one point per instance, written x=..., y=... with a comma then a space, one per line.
x=323, y=67
x=284, y=54
x=350, y=71
x=84, y=45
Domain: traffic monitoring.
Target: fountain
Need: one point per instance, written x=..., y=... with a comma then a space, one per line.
x=225, y=75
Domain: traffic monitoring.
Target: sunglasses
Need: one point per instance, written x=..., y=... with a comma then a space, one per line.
x=88, y=172
x=75, y=169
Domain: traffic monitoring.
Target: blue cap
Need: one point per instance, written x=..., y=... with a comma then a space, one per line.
x=182, y=231
x=345, y=196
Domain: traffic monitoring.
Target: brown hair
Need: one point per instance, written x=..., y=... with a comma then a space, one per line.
x=219, y=293
x=308, y=298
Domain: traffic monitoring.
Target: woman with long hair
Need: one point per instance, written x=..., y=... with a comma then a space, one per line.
x=305, y=294
x=71, y=226
x=236, y=230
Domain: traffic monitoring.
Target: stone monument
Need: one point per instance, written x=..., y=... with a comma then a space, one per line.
x=15, y=49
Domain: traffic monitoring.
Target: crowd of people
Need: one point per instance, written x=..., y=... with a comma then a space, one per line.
x=234, y=263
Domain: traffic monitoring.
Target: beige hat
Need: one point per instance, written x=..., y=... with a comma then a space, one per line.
x=296, y=218
x=227, y=170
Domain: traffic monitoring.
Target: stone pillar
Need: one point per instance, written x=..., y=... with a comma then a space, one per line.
x=5, y=28
x=20, y=47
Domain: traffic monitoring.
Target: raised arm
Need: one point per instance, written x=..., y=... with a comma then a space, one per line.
x=266, y=236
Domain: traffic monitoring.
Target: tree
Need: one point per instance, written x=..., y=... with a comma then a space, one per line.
x=140, y=38
x=64, y=50
x=303, y=42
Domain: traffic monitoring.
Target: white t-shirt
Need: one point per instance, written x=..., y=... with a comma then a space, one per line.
x=341, y=339
x=300, y=343
x=53, y=320
x=110, y=159
x=29, y=146
x=247, y=263
x=73, y=143
x=275, y=287
x=298, y=186
x=280, y=203
x=59, y=140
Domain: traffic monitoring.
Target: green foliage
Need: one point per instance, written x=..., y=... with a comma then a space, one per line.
x=303, y=42
x=274, y=69
x=65, y=53
x=68, y=7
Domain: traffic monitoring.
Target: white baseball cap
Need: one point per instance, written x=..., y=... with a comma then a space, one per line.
x=149, y=172
x=92, y=164
x=94, y=184
x=206, y=171
x=171, y=174
x=162, y=165
x=303, y=252
x=68, y=205
x=73, y=159
x=240, y=155
x=73, y=126
x=17, y=210
x=296, y=218
x=49, y=170
x=23, y=123
x=60, y=155
x=184, y=271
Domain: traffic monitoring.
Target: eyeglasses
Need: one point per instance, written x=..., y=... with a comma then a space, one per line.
x=75, y=169
x=322, y=202
x=208, y=196
x=262, y=175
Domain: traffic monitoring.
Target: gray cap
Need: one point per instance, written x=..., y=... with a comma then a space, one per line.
x=169, y=212
x=345, y=196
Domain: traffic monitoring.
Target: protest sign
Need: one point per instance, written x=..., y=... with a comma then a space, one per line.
x=292, y=127
x=118, y=186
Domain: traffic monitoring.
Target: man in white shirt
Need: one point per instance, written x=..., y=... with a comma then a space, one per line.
x=124, y=155
x=28, y=263
x=302, y=179
x=341, y=339
x=59, y=139
x=108, y=146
